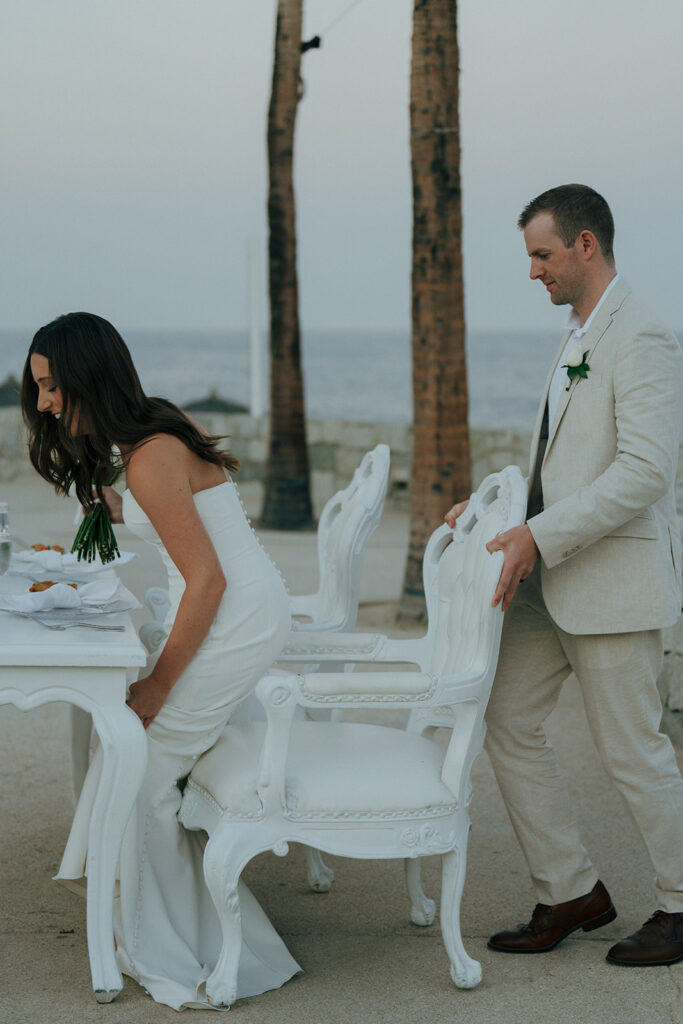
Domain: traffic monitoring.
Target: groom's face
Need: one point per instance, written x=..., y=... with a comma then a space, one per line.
x=557, y=267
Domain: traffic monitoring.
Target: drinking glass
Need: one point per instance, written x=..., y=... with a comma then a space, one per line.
x=5, y=539
x=5, y=552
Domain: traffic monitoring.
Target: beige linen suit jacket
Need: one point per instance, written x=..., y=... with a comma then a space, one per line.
x=608, y=534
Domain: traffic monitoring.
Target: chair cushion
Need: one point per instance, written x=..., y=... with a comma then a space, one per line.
x=334, y=770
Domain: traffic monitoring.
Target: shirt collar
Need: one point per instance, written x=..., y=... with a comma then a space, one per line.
x=573, y=323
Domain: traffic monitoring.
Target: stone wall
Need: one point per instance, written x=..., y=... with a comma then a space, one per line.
x=336, y=447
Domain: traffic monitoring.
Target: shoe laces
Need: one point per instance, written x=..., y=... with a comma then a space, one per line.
x=661, y=923
x=540, y=919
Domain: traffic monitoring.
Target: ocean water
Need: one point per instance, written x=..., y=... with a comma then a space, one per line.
x=353, y=376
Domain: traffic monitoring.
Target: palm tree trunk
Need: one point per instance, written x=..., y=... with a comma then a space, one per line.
x=287, y=502
x=441, y=453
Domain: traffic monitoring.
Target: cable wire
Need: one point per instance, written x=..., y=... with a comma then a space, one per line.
x=335, y=21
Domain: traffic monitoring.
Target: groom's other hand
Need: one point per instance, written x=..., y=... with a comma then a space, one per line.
x=454, y=512
x=519, y=554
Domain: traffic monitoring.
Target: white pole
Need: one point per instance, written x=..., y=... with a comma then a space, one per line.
x=256, y=388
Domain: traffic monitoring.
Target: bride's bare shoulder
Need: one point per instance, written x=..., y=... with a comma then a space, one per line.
x=159, y=454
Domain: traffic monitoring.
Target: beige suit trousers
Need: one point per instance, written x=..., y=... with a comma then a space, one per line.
x=617, y=674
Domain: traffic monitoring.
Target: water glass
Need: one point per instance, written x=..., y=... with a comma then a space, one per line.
x=5, y=539
x=5, y=552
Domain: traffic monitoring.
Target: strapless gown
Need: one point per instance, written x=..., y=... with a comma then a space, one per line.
x=167, y=931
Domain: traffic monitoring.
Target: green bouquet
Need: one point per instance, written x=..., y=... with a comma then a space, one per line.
x=96, y=537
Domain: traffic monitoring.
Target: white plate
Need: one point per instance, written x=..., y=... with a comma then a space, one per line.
x=61, y=568
x=101, y=595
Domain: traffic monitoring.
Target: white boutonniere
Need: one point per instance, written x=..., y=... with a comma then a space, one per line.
x=576, y=364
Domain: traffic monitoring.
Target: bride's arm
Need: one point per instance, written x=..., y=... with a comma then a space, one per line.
x=158, y=475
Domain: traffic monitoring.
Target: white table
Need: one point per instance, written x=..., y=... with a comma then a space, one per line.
x=86, y=668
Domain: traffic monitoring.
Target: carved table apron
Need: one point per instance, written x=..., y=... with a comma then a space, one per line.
x=86, y=668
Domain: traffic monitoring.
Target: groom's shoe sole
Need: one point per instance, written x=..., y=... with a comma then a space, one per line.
x=550, y=925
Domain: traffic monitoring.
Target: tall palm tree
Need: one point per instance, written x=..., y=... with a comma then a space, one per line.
x=441, y=453
x=287, y=503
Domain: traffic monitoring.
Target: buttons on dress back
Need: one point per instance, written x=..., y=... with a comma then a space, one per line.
x=258, y=539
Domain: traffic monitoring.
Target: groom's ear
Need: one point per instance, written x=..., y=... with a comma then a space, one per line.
x=587, y=244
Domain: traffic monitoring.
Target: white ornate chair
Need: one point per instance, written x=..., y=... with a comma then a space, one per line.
x=360, y=790
x=347, y=522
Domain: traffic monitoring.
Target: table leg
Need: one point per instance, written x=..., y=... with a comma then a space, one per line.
x=124, y=757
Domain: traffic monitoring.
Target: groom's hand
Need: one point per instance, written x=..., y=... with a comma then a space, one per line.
x=455, y=512
x=520, y=554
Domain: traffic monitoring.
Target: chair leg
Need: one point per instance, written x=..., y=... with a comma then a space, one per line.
x=320, y=876
x=465, y=972
x=81, y=726
x=221, y=985
x=422, y=909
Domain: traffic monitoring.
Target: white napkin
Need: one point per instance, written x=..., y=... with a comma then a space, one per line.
x=50, y=564
x=108, y=595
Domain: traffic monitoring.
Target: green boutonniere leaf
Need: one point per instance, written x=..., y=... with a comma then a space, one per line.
x=577, y=371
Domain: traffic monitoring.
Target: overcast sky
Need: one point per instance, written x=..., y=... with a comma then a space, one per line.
x=133, y=154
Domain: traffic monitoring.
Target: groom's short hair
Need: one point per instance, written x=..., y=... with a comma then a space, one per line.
x=575, y=208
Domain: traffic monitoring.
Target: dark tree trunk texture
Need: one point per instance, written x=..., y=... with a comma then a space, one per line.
x=287, y=502
x=441, y=452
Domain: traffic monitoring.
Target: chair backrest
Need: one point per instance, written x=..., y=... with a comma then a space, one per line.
x=348, y=520
x=460, y=577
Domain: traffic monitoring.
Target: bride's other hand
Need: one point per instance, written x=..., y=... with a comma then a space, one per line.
x=146, y=698
x=114, y=503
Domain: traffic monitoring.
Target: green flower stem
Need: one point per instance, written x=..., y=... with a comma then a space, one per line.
x=96, y=536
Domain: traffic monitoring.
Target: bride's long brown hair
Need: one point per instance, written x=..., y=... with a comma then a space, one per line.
x=100, y=387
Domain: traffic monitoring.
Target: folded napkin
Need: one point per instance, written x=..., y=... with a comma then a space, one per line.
x=51, y=564
x=107, y=595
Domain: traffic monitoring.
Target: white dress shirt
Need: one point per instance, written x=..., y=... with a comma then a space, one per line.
x=560, y=379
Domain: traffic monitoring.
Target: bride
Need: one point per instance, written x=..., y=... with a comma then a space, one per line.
x=228, y=620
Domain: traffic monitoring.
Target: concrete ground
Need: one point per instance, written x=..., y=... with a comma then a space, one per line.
x=362, y=958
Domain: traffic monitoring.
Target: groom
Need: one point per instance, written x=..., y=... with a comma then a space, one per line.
x=590, y=580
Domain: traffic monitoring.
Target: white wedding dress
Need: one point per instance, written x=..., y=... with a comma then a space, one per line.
x=167, y=931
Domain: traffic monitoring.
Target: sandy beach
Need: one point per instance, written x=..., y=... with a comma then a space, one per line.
x=363, y=959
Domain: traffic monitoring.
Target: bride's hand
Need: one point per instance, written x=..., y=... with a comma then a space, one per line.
x=146, y=698
x=114, y=503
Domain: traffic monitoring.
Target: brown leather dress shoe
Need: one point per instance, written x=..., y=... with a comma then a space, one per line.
x=657, y=943
x=549, y=925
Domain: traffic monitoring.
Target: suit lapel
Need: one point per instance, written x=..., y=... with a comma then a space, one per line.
x=589, y=344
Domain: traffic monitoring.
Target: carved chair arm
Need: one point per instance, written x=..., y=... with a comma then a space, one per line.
x=403, y=690
x=277, y=695
x=319, y=626
x=303, y=646
x=406, y=690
